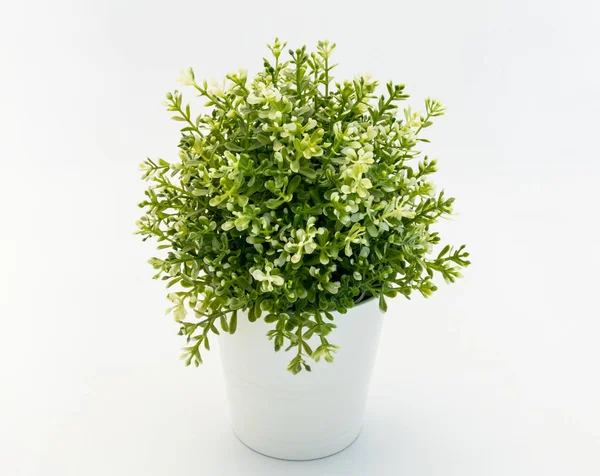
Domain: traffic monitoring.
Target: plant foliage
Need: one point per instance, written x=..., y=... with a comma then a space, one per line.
x=294, y=196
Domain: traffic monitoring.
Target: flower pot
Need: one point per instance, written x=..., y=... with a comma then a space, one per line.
x=309, y=415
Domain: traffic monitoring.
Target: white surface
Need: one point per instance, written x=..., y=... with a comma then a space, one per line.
x=496, y=375
x=309, y=415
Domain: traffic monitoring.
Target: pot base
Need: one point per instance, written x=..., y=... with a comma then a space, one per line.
x=297, y=457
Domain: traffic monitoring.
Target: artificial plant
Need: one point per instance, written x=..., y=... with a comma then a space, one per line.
x=294, y=196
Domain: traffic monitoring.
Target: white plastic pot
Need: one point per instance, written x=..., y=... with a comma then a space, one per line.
x=306, y=416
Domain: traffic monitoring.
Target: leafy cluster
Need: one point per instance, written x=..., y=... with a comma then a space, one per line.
x=294, y=196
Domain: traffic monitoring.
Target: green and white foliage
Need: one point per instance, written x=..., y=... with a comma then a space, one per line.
x=294, y=196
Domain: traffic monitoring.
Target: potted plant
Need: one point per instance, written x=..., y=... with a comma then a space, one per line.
x=298, y=205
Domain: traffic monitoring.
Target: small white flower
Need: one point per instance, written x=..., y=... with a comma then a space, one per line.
x=216, y=88
x=254, y=99
x=349, y=152
x=289, y=130
x=371, y=133
x=362, y=107
x=310, y=125
x=267, y=280
x=186, y=77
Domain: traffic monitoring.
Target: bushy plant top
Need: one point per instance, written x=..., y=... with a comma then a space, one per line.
x=294, y=196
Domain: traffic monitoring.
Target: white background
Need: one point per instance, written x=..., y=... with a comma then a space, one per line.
x=496, y=375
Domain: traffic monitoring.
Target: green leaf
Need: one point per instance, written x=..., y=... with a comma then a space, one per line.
x=251, y=316
x=308, y=172
x=224, y=324
x=444, y=251
x=233, y=147
x=293, y=185
x=273, y=203
x=270, y=318
x=295, y=166
x=382, y=304
x=306, y=347
x=233, y=322
x=373, y=231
